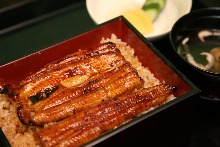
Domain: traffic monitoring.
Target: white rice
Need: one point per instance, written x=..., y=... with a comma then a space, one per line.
x=18, y=134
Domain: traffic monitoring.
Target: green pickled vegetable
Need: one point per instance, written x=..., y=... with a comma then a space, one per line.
x=153, y=8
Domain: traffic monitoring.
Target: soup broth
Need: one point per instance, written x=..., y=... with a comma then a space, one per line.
x=202, y=49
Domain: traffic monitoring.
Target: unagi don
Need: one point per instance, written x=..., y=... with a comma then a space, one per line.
x=83, y=95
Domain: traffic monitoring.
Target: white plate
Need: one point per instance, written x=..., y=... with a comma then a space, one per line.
x=104, y=10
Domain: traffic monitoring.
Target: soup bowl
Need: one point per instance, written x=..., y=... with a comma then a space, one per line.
x=195, y=39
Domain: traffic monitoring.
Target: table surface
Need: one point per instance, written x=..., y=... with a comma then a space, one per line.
x=51, y=28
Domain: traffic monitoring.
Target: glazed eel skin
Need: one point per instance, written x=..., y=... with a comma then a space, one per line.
x=86, y=125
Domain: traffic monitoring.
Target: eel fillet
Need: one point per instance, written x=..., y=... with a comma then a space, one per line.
x=121, y=85
x=95, y=82
x=86, y=125
x=110, y=84
x=89, y=66
x=45, y=79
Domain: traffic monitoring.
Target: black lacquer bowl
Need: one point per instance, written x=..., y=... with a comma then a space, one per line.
x=196, y=32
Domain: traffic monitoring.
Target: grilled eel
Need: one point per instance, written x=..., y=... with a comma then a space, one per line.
x=63, y=94
x=86, y=125
x=116, y=83
x=67, y=60
x=59, y=102
x=90, y=61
